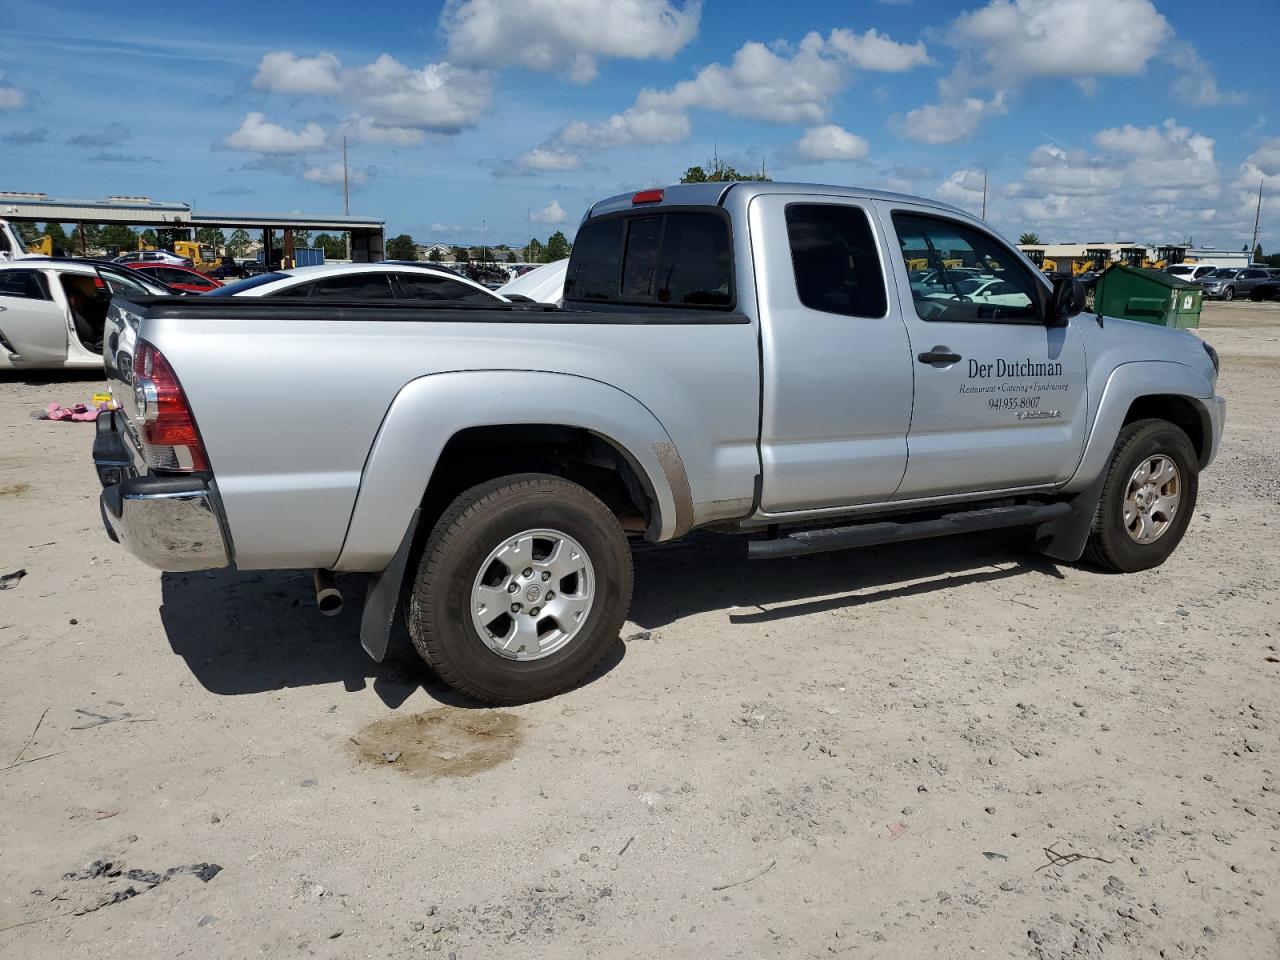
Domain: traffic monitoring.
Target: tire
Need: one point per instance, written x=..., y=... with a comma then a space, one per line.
x=1229, y=293
x=476, y=552
x=1141, y=444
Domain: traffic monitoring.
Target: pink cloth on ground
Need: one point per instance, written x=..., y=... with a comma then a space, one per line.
x=77, y=411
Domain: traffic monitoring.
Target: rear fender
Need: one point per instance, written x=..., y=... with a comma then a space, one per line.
x=428, y=411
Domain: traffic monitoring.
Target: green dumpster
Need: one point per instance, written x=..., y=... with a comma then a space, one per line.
x=1151, y=296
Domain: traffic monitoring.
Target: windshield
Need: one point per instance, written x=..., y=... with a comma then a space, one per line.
x=1180, y=271
x=248, y=283
x=1220, y=274
x=970, y=286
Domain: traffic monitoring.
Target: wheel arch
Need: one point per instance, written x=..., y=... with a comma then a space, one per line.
x=1162, y=389
x=559, y=418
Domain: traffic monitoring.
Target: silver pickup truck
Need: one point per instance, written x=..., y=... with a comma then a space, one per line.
x=745, y=357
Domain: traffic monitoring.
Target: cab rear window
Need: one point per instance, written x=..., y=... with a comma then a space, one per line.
x=678, y=259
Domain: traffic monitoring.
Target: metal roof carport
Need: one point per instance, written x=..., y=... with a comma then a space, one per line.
x=368, y=243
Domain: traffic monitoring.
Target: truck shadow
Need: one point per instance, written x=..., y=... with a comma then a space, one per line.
x=708, y=572
x=254, y=632
x=243, y=633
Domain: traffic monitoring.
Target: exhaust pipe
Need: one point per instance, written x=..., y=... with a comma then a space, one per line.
x=328, y=596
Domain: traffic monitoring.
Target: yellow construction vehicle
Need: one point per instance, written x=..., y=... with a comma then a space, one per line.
x=42, y=246
x=1049, y=266
x=202, y=256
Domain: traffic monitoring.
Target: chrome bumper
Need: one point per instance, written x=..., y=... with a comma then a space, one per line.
x=170, y=523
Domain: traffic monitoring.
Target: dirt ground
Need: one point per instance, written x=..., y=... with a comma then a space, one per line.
x=944, y=748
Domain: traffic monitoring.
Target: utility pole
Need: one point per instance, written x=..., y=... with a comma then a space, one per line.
x=984, y=193
x=1256, y=217
x=346, y=198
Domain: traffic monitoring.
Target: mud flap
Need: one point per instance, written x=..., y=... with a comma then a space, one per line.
x=1065, y=538
x=382, y=598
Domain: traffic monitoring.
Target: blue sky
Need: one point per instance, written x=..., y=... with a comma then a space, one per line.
x=467, y=120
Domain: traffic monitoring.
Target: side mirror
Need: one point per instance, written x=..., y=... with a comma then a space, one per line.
x=1066, y=301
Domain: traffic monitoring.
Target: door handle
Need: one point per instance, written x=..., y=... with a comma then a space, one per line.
x=939, y=357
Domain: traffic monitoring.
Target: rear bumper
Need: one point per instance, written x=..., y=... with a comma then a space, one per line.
x=171, y=523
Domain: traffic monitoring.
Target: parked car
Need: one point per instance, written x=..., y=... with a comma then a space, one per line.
x=228, y=269
x=542, y=284
x=1268, y=289
x=748, y=357
x=361, y=281
x=179, y=278
x=1191, y=271
x=1230, y=282
x=52, y=310
x=153, y=256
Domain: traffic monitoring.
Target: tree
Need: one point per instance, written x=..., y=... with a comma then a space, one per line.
x=1029, y=238
x=461, y=255
x=533, y=252
x=435, y=255
x=149, y=238
x=302, y=238
x=557, y=247
x=116, y=236
x=236, y=245
x=58, y=236
x=1257, y=254
x=335, y=248
x=402, y=248
x=211, y=237
x=28, y=232
x=720, y=172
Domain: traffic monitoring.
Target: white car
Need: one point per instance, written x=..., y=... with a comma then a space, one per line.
x=361, y=281
x=544, y=284
x=983, y=290
x=52, y=310
x=154, y=256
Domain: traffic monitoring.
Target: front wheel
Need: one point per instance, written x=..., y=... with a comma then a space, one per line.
x=1147, y=499
x=1229, y=293
x=523, y=586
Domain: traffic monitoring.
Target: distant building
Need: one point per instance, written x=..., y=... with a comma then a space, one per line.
x=444, y=250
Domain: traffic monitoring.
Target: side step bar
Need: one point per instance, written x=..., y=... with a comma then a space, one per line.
x=869, y=534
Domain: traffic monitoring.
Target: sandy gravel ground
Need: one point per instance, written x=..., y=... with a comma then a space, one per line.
x=948, y=748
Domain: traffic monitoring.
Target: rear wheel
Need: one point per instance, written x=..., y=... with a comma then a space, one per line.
x=522, y=588
x=1147, y=498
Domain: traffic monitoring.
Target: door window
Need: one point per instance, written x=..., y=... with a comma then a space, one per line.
x=353, y=286
x=26, y=284
x=835, y=261
x=426, y=286
x=965, y=262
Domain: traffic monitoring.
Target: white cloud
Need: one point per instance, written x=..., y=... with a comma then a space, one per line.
x=551, y=213
x=362, y=129
x=782, y=83
x=622, y=129
x=831, y=142
x=393, y=103
x=12, y=98
x=1152, y=183
x=948, y=122
x=1195, y=83
x=331, y=175
x=874, y=50
x=759, y=84
x=963, y=188
x=281, y=71
x=258, y=133
x=566, y=35
x=547, y=159
x=1020, y=39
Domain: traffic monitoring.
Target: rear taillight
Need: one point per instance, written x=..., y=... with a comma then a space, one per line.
x=168, y=430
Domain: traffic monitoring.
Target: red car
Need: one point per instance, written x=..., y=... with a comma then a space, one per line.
x=180, y=278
